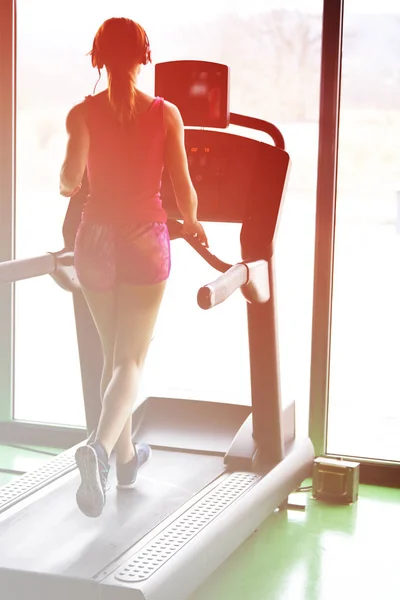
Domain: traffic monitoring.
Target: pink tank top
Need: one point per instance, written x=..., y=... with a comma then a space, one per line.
x=125, y=166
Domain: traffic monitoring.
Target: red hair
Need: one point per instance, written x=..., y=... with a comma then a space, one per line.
x=121, y=44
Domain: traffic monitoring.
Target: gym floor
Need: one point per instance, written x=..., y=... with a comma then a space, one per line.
x=324, y=552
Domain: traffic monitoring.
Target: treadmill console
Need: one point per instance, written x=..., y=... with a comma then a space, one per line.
x=200, y=89
x=206, y=163
x=234, y=177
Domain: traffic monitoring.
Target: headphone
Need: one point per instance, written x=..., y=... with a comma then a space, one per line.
x=99, y=62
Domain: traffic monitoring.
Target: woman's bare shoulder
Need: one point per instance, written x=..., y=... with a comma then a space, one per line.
x=172, y=114
x=76, y=114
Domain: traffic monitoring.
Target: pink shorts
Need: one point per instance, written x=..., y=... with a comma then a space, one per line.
x=109, y=254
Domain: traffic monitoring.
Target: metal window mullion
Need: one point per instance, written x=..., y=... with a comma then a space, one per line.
x=331, y=61
x=7, y=202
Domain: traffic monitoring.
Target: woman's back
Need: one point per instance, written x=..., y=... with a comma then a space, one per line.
x=125, y=161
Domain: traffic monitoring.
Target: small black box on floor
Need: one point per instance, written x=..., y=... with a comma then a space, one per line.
x=335, y=481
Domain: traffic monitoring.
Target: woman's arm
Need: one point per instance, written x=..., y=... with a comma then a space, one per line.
x=177, y=164
x=74, y=164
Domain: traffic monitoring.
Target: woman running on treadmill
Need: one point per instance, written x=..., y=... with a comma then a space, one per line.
x=123, y=137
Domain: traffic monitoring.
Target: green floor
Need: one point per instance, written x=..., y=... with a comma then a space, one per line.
x=322, y=553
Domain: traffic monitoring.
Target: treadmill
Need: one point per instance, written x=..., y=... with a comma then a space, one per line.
x=218, y=470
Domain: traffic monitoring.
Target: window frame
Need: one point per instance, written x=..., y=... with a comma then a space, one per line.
x=7, y=200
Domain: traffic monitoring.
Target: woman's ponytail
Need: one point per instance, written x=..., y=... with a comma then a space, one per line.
x=122, y=94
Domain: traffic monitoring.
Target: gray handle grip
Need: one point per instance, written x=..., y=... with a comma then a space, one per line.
x=16, y=270
x=219, y=290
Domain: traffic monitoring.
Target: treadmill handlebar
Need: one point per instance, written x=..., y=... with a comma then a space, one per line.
x=256, y=290
x=219, y=290
x=17, y=270
x=57, y=264
x=64, y=274
x=251, y=278
x=259, y=125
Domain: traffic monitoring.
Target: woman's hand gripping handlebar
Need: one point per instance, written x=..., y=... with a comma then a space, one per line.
x=176, y=230
x=195, y=229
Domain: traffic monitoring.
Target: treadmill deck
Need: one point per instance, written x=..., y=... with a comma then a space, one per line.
x=51, y=535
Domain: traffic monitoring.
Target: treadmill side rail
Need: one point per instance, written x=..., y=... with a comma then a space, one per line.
x=31, y=482
x=181, y=572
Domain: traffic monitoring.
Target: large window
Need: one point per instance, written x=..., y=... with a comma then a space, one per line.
x=47, y=379
x=364, y=409
x=274, y=55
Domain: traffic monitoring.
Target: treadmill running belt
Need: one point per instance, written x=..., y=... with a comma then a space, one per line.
x=51, y=535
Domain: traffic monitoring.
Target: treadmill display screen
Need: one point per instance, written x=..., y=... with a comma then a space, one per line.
x=198, y=88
